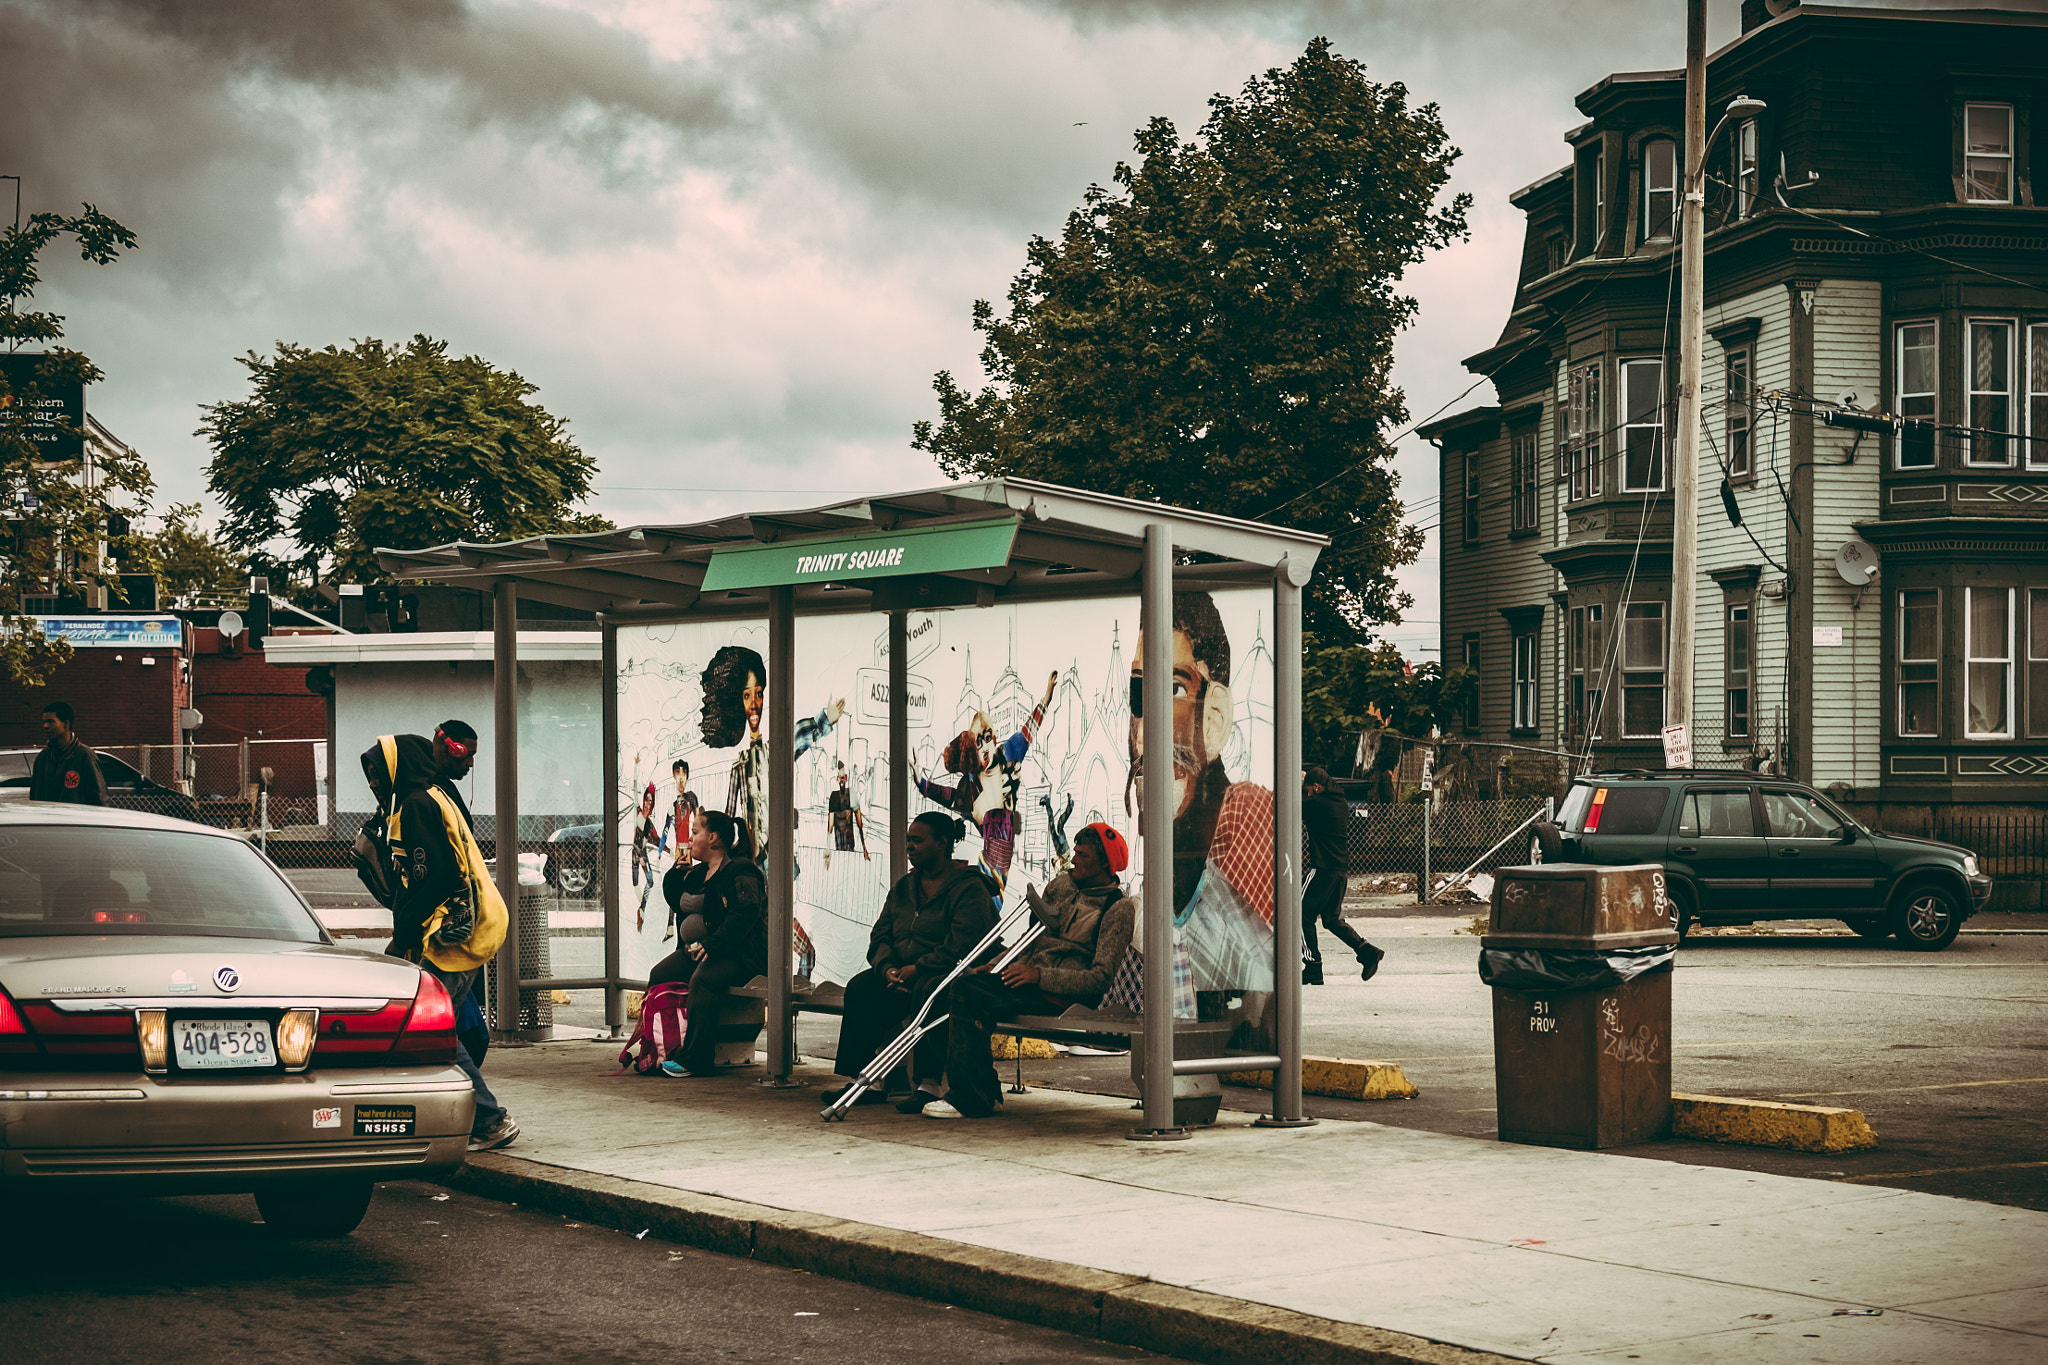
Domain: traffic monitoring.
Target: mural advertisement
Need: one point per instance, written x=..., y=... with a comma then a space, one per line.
x=1021, y=723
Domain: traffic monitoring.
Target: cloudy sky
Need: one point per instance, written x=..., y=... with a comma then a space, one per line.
x=730, y=240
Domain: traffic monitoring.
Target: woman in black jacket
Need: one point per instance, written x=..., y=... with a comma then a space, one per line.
x=734, y=949
x=933, y=916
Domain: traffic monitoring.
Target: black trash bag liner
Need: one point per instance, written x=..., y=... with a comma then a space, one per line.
x=1570, y=969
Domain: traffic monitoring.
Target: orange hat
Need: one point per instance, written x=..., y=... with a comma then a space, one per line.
x=1113, y=846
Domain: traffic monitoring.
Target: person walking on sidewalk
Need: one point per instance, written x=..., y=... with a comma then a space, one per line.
x=935, y=914
x=65, y=770
x=734, y=949
x=1324, y=815
x=448, y=916
x=1088, y=922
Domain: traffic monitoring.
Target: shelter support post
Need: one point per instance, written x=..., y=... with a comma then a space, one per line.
x=608, y=708
x=1287, y=585
x=1155, y=830
x=899, y=743
x=505, y=800
x=780, y=850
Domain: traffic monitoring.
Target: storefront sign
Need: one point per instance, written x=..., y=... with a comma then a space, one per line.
x=867, y=555
x=55, y=420
x=114, y=632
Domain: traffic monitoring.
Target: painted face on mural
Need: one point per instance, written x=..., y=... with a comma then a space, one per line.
x=1190, y=754
x=753, y=697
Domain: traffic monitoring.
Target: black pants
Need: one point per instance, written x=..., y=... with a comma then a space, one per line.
x=1324, y=901
x=710, y=987
x=677, y=966
x=876, y=1012
x=977, y=1002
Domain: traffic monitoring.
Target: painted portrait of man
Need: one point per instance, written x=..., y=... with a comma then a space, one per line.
x=1222, y=830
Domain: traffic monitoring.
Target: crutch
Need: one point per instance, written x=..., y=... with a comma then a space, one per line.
x=877, y=1071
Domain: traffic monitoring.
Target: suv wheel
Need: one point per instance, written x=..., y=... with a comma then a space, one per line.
x=1927, y=918
x=1682, y=917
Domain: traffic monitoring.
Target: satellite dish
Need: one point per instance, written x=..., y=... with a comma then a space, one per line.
x=1856, y=562
x=1779, y=7
x=1851, y=400
x=230, y=624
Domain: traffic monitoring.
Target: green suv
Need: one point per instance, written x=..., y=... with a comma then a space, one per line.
x=1740, y=847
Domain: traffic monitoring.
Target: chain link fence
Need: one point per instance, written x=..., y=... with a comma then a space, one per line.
x=1389, y=837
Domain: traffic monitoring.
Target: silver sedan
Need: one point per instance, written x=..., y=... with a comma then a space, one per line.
x=173, y=1019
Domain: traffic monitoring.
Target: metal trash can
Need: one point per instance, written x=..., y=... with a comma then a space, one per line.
x=1579, y=958
x=536, y=1007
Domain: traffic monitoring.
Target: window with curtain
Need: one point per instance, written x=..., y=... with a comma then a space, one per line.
x=2037, y=396
x=2037, y=661
x=1987, y=659
x=1990, y=380
x=1919, y=661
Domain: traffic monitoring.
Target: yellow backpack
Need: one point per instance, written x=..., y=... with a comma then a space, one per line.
x=491, y=920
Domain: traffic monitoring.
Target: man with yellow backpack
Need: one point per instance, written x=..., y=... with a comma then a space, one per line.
x=447, y=916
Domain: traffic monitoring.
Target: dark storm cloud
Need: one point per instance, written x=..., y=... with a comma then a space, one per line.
x=192, y=122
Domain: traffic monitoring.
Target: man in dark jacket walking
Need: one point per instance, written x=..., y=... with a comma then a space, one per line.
x=65, y=770
x=1324, y=816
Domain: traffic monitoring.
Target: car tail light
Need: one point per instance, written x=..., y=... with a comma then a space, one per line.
x=296, y=1033
x=120, y=917
x=429, y=1034
x=15, y=1037
x=153, y=1036
x=1593, y=811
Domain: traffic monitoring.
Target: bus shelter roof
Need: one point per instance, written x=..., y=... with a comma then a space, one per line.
x=1067, y=543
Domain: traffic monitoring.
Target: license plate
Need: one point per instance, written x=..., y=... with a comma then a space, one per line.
x=384, y=1120
x=222, y=1044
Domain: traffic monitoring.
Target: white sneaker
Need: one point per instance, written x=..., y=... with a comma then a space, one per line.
x=939, y=1109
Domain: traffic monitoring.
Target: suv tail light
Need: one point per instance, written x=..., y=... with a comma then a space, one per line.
x=1593, y=811
x=429, y=1033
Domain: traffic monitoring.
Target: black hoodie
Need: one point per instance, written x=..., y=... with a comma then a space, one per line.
x=429, y=871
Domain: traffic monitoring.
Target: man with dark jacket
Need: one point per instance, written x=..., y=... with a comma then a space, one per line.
x=1088, y=923
x=431, y=875
x=1324, y=817
x=65, y=770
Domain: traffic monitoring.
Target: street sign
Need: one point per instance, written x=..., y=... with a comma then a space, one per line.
x=865, y=555
x=1677, y=747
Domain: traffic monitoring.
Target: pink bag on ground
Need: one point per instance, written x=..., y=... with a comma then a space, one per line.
x=660, y=1030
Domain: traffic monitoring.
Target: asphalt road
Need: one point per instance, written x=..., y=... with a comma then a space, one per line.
x=435, y=1276
x=1944, y=1053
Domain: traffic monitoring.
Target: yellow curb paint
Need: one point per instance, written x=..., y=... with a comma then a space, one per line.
x=1339, y=1078
x=1005, y=1045
x=1769, y=1123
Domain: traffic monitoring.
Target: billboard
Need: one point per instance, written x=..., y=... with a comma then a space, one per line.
x=55, y=424
x=1020, y=724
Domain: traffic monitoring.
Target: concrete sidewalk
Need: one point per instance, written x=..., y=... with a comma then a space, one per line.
x=1345, y=1241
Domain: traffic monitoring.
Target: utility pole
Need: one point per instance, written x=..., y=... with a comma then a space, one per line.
x=1685, y=462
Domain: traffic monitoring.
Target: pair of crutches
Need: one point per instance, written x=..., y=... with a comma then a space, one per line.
x=876, y=1073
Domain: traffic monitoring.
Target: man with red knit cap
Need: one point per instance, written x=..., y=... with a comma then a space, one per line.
x=1088, y=923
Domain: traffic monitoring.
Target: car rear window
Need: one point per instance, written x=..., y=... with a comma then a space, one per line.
x=101, y=881
x=1595, y=809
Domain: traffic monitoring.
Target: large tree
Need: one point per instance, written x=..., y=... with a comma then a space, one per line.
x=1218, y=329
x=338, y=452
x=56, y=508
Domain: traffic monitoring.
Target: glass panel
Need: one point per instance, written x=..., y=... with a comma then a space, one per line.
x=1987, y=165
x=1745, y=168
x=1795, y=815
x=1987, y=699
x=1920, y=624
x=1634, y=810
x=2037, y=397
x=1918, y=703
x=1738, y=713
x=1990, y=128
x=1642, y=635
x=1916, y=370
x=1642, y=704
x=1990, y=392
x=1643, y=436
x=1738, y=412
x=2037, y=662
x=1738, y=639
x=1990, y=654
x=111, y=882
x=1660, y=184
x=1920, y=679
x=1719, y=815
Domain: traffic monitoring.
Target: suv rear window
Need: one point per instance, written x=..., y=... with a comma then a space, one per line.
x=1594, y=809
x=116, y=882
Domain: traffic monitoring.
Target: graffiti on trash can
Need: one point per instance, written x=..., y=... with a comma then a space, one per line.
x=1541, y=1020
x=1618, y=1043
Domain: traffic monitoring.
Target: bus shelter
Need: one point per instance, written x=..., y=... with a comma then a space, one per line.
x=1060, y=554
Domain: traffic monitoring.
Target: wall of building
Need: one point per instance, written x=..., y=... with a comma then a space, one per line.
x=123, y=697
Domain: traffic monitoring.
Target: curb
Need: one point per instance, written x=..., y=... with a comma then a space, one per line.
x=1125, y=1309
x=1338, y=1078
x=1770, y=1123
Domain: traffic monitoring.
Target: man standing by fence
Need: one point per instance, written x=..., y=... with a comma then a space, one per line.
x=65, y=770
x=1325, y=814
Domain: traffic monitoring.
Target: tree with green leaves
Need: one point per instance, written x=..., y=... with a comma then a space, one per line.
x=185, y=558
x=1349, y=689
x=337, y=452
x=57, y=501
x=1218, y=330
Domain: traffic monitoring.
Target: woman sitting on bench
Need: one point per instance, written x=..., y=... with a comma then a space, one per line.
x=734, y=949
x=937, y=912
x=1088, y=930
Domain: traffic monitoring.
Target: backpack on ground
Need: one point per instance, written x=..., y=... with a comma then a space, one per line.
x=660, y=1030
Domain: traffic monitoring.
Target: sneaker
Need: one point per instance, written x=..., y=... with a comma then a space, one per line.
x=940, y=1109
x=499, y=1134
x=1370, y=964
x=919, y=1101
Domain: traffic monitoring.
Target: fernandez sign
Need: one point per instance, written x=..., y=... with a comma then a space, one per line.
x=864, y=555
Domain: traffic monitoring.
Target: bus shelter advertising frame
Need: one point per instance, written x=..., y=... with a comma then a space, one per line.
x=974, y=545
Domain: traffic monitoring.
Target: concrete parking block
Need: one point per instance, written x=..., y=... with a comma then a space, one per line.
x=1339, y=1078
x=1769, y=1123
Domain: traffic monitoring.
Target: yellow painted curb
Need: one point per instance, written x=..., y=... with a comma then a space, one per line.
x=1768, y=1123
x=1340, y=1078
x=1005, y=1045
